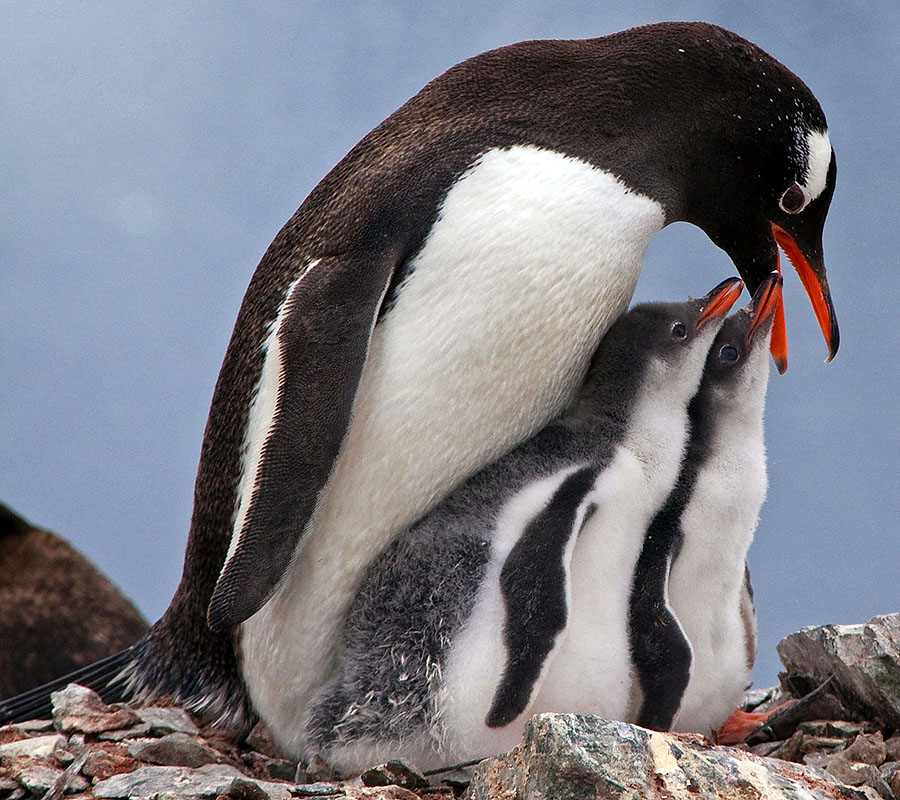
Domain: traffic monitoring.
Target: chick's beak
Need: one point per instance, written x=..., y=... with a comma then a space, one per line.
x=720, y=300
x=765, y=304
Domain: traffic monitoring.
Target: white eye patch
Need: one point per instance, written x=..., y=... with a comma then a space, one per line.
x=817, y=163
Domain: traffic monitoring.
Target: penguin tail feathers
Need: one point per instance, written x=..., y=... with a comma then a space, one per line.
x=107, y=677
x=150, y=670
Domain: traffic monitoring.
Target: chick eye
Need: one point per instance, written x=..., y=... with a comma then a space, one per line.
x=793, y=201
x=679, y=331
x=728, y=353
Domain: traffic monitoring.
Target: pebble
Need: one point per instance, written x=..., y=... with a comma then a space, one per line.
x=317, y=790
x=875, y=779
x=77, y=708
x=853, y=774
x=103, y=764
x=790, y=750
x=35, y=747
x=394, y=773
x=167, y=720
x=139, y=731
x=816, y=759
x=892, y=748
x=272, y=768
x=174, y=750
x=260, y=739
x=33, y=725
x=895, y=783
x=867, y=748
x=40, y=778
x=833, y=728
x=149, y=783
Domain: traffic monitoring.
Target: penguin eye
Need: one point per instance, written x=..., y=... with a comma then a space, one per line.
x=793, y=201
x=728, y=353
x=678, y=330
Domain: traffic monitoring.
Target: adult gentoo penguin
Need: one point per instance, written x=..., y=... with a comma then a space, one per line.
x=435, y=301
x=692, y=625
x=509, y=598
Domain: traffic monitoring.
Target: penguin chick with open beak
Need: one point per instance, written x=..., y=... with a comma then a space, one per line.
x=510, y=597
x=432, y=304
x=692, y=624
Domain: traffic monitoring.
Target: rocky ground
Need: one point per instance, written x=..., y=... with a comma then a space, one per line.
x=843, y=742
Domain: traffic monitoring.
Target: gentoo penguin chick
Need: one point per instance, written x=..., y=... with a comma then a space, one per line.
x=435, y=301
x=510, y=597
x=58, y=612
x=691, y=617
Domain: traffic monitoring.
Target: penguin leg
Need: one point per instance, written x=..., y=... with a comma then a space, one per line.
x=534, y=584
x=749, y=727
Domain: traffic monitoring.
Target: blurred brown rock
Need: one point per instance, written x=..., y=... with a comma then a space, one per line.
x=57, y=611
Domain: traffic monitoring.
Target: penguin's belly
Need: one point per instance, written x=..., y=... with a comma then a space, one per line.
x=592, y=673
x=588, y=670
x=591, y=670
x=476, y=660
x=532, y=257
x=706, y=584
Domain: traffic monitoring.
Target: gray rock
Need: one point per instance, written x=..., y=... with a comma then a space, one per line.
x=892, y=748
x=30, y=726
x=151, y=783
x=834, y=728
x=816, y=759
x=167, y=720
x=394, y=773
x=141, y=730
x=272, y=768
x=174, y=750
x=41, y=778
x=875, y=779
x=103, y=763
x=868, y=748
x=317, y=790
x=574, y=756
x=260, y=739
x=864, y=661
x=35, y=747
x=77, y=708
x=846, y=771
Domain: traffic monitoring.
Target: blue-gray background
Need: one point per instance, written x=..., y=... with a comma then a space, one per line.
x=150, y=152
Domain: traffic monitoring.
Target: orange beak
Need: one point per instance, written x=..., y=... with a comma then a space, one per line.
x=767, y=301
x=819, y=295
x=720, y=300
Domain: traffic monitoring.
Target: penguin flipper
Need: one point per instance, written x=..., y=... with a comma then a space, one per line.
x=315, y=354
x=660, y=650
x=534, y=584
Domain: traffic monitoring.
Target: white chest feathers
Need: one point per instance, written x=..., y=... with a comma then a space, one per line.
x=588, y=669
x=532, y=256
x=706, y=585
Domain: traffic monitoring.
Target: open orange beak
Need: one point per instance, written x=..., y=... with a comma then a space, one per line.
x=720, y=299
x=819, y=295
x=766, y=302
